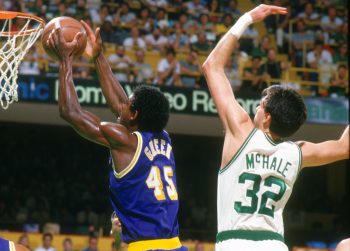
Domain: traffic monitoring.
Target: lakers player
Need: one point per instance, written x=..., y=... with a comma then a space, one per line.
x=142, y=180
x=6, y=245
x=259, y=168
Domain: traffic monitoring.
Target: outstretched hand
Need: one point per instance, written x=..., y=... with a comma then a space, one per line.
x=94, y=41
x=61, y=47
x=262, y=11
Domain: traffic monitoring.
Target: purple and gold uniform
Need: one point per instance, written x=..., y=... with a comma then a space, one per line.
x=144, y=195
x=6, y=245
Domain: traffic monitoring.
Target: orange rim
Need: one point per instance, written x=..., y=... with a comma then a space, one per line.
x=12, y=14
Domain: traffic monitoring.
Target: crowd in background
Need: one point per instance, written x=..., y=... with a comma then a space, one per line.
x=313, y=35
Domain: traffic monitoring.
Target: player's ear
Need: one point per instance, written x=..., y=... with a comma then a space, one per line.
x=267, y=120
x=134, y=115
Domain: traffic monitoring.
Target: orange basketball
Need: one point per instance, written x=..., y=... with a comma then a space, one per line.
x=69, y=27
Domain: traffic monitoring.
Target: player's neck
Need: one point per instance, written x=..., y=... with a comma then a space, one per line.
x=273, y=136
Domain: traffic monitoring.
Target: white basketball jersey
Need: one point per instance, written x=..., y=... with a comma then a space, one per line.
x=254, y=187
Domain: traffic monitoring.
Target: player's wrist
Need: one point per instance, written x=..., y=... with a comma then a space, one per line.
x=241, y=25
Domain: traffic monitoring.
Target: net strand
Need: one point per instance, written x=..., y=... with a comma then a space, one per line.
x=12, y=51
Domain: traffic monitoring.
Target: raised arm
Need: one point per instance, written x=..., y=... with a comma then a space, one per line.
x=111, y=88
x=234, y=118
x=325, y=152
x=84, y=122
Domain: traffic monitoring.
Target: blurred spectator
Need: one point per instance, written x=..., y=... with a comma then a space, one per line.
x=92, y=246
x=204, y=25
x=120, y=63
x=318, y=58
x=339, y=82
x=67, y=244
x=342, y=36
x=253, y=80
x=37, y=9
x=232, y=75
x=190, y=70
x=30, y=63
x=262, y=49
x=179, y=39
x=142, y=71
x=135, y=41
x=168, y=70
x=144, y=21
x=214, y=10
x=341, y=55
x=161, y=19
x=202, y=44
x=47, y=243
x=249, y=39
x=199, y=246
x=225, y=25
x=273, y=68
x=309, y=14
x=81, y=69
x=195, y=7
x=185, y=22
x=282, y=29
x=124, y=16
x=330, y=23
x=232, y=8
x=156, y=40
x=24, y=241
x=101, y=15
x=299, y=39
x=108, y=33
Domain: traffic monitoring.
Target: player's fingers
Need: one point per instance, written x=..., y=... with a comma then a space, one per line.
x=59, y=36
x=98, y=35
x=87, y=28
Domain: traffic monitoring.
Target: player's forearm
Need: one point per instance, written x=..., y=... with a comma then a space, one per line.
x=67, y=97
x=111, y=88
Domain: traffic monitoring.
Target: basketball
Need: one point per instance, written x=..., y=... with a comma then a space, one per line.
x=69, y=27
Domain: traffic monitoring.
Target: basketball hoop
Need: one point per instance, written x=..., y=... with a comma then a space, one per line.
x=18, y=32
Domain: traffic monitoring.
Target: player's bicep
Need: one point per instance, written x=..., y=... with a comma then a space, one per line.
x=231, y=113
x=87, y=124
x=318, y=154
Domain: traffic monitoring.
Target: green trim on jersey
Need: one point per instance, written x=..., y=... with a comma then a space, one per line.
x=239, y=151
x=248, y=235
x=272, y=142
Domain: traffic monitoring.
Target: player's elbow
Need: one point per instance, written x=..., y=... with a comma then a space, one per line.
x=66, y=113
x=210, y=66
x=344, y=149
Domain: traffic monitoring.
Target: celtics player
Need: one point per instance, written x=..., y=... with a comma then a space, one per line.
x=142, y=181
x=6, y=245
x=258, y=168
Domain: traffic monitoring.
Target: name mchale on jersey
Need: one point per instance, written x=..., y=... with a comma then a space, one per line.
x=156, y=147
x=258, y=160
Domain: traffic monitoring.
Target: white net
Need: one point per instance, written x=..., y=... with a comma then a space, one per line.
x=17, y=34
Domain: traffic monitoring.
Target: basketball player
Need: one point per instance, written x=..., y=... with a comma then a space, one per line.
x=6, y=245
x=258, y=168
x=142, y=180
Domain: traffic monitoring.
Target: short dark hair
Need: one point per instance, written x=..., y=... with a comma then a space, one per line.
x=47, y=235
x=287, y=110
x=152, y=107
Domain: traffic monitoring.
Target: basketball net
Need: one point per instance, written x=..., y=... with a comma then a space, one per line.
x=18, y=32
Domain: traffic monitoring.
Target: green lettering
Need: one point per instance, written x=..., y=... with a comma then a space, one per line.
x=265, y=161
x=250, y=161
x=257, y=160
x=285, y=168
x=273, y=163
